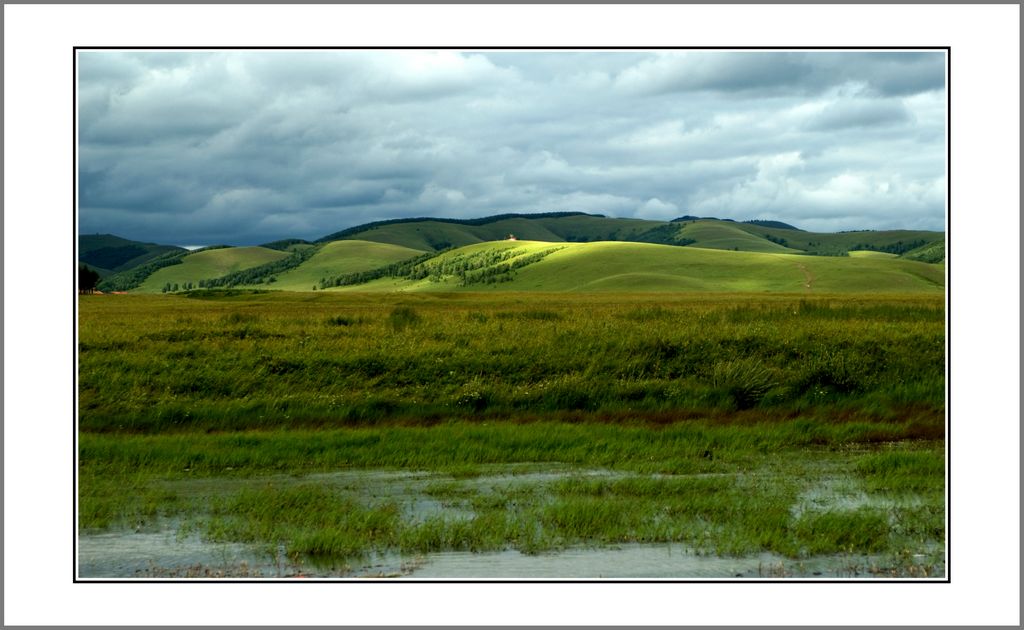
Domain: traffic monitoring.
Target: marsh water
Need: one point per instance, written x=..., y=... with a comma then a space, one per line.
x=167, y=549
x=163, y=555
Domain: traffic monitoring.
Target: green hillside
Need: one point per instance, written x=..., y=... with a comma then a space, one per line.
x=341, y=257
x=209, y=264
x=109, y=254
x=867, y=253
x=727, y=235
x=619, y=266
x=425, y=236
x=838, y=243
x=931, y=253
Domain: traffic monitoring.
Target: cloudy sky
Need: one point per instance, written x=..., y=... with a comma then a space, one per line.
x=244, y=147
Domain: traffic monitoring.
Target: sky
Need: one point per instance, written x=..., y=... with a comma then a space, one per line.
x=243, y=147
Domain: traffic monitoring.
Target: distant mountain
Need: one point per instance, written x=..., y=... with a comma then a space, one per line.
x=437, y=234
x=762, y=222
x=756, y=235
x=773, y=224
x=109, y=254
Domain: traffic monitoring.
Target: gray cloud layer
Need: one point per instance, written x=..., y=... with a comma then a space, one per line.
x=245, y=147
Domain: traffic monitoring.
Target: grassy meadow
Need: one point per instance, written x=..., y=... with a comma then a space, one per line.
x=735, y=423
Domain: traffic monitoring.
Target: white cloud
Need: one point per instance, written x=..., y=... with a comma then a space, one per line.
x=434, y=195
x=655, y=208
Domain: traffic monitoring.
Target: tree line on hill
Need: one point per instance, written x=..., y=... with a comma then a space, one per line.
x=134, y=277
x=477, y=268
x=261, y=274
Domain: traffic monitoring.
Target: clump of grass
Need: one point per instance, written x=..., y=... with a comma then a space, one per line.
x=127, y=502
x=310, y=520
x=239, y=318
x=903, y=471
x=339, y=320
x=402, y=317
x=592, y=519
x=745, y=381
x=531, y=314
x=649, y=314
x=484, y=532
x=864, y=531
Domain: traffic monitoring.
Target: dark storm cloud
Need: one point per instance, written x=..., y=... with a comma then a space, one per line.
x=251, y=146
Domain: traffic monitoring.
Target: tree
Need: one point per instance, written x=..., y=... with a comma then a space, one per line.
x=87, y=279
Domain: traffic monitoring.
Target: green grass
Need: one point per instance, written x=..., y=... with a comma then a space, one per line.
x=901, y=471
x=209, y=264
x=724, y=235
x=865, y=253
x=157, y=363
x=709, y=416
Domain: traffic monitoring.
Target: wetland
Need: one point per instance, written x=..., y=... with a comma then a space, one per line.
x=274, y=435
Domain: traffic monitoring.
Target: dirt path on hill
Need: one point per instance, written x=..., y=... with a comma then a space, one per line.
x=808, y=276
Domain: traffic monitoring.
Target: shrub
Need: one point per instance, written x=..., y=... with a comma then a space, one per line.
x=403, y=317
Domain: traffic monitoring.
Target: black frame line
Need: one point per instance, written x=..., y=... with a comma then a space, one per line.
x=412, y=580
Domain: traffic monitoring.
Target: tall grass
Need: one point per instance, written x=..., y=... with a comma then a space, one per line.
x=153, y=364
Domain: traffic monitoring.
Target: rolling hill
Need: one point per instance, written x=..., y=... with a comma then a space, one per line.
x=341, y=257
x=725, y=235
x=109, y=254
x=438, y=234
x=211, y=263
x=840, y=243
x=750, y=236
x=619, y=266
x=563, y=251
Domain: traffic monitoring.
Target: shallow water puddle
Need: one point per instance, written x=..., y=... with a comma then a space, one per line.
x=169, y=550
x=637, y=562
x=162, y=555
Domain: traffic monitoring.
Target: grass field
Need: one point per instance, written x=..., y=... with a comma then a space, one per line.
x=779, y=398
